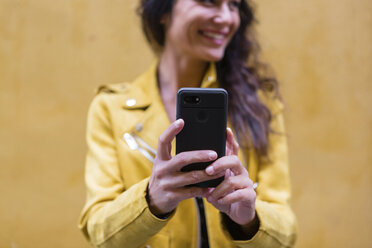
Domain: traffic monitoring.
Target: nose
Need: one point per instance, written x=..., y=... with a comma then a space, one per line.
x=223, y=14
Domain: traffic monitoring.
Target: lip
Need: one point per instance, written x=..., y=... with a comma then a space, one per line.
x=216, y=37
x=225, y=33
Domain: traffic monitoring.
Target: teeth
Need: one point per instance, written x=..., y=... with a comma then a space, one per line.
x=214, y=35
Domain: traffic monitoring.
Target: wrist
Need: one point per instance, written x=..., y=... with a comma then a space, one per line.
x=251, y=228
x=241, y=232
x=155, y=210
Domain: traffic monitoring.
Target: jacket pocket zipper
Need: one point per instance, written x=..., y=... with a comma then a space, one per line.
x=136, y=143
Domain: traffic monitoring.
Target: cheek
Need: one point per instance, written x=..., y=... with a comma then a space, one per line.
x=191, y=35
x=186, y=32
x=178, y=34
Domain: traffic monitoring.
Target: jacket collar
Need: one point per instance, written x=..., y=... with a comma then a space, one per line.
x=210, y=77
x=142, y=90
x=146, y=86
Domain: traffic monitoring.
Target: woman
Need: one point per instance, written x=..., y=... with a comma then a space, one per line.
x=136, y=195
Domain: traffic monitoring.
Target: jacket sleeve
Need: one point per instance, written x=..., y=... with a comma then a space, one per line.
x=112, y=214
x=278, y=226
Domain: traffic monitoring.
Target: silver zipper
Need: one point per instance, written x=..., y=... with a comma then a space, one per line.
x=136, y=143
x=145, y=145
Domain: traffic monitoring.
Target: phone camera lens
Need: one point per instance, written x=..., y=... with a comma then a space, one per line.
x=191, y=99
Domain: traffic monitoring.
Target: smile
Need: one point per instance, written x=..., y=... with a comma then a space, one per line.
x=216, y=37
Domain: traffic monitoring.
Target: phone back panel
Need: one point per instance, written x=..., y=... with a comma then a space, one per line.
x=205, y=114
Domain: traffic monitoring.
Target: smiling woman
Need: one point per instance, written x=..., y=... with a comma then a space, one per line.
x=137, y=194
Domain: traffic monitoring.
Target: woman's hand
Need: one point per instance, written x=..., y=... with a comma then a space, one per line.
x=167, y=183
x=235, y=196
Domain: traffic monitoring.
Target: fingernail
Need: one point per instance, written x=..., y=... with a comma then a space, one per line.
x=209, y=170
x=229, y=129
x=177, y=122
x=212, y=155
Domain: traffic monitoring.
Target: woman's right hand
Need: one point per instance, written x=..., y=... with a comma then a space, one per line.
x=167, y=183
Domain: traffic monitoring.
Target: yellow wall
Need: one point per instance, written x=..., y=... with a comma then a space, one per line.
x=321, y=51
x=54, y=53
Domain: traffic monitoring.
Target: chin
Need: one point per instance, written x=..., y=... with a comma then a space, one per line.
x=214, y=57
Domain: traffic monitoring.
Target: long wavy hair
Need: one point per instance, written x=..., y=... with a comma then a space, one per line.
x=239, y=72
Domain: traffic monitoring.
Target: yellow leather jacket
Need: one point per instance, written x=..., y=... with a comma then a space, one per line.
x=124, y=123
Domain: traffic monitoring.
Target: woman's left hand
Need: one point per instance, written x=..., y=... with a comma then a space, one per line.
x=235, y=196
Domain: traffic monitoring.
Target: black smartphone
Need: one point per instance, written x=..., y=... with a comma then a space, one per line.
x=204, y=111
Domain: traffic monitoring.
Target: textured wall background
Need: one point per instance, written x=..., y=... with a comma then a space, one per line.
x=54, y=53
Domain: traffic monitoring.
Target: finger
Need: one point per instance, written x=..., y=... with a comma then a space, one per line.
x=230, y=185
x=229, y=173
x=228, y=162
x=242, y=195
x=190, y=192
x=185, y=158
x=192, y=177
x=221, y=207
x=232, y=147
x=165, y=139
x=173, y=166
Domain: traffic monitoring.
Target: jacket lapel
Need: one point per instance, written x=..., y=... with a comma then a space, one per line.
x=144, y=97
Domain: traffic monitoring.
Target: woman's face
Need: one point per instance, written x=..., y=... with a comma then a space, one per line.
x=201, y=29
